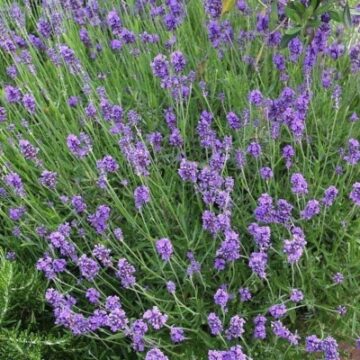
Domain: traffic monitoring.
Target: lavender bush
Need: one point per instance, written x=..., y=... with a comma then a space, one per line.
x=184, y=175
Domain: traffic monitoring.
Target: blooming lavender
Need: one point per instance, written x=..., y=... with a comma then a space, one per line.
x=215, y=324
x=299, y=185
x=236, y=327
x=141, y=196
x=257, y=263
x=311, y=209
x=355, y=194
x=98, y=220
x=177, y=334
x=227, y=151
x=245, y=294
x=48, y=179
x=330, y=195
x=126, y=273
x=282, y=332
x=155, y=318
x=164, y=248
x=89, y=268
x=155, y=354
x=296, y=295
x=260, y=329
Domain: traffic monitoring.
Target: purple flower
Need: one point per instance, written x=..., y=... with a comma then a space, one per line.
x=236, y=328
x=155, y=139
x=213, y=8
x=341, y=310
x=16, y=214
x=48, y=179
x=229, y=249
x=233, y=120
x=329, y=195
x=254, y=149
x=338, y=278
x=29, y=103
x=294, y=248
x=2, y=114
x=221, y=297
x=101, y=253
x=296, y=295
x=260, y=329
x=282, y=332
x=240, y=159
x=99, y=219
x=50, y=266
x=126, y=273
x=112, y=303
x=12, y=94
x=117, y=320
x=355, y=194
x=178, y=61
x=262, y=22
x=80, y=145
x=261, y=235
x=155, y=318
x=177, y=334
x=313, y=344
x=141, y=196
x=312, y=208
x=194, y=266
x=295, y=47
x=160, y=66
x=255, y=97
x=28, y=150
x=107, y=164
x=14, y=181
x=245, y=294
x=114, y=22
x=89, y=268
x=288, y=153
x=78, y=203
x=257, y=263
x=92, y=295
x=235, y=353
x=175, y=138
x=299, y=185
x=118, y=234
x=329, y=347
x=215, y=324
x=164, y=248
x=352, y=156
x=155, y=354
x=266, y=173
x=277, y=310
x=171, y=287
x=188, y=170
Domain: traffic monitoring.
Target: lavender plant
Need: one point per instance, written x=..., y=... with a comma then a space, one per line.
x=184, y=175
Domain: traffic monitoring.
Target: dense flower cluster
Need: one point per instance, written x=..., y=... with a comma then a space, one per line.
x=175, y=199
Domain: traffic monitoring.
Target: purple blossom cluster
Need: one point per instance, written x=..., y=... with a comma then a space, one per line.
x=144, y=142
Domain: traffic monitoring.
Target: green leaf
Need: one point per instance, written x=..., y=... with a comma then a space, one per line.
x=347, y=16
x=299, y=7
x=314, y=23
x=293, y=31
x=227, y=5
x=335, y=15
x=293, y=15
x=324, y=8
